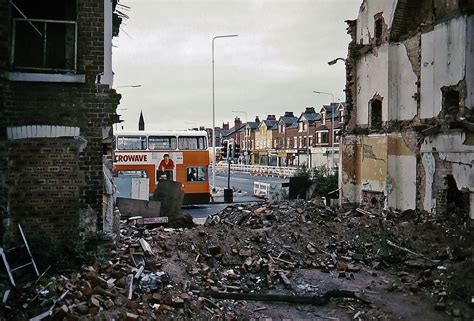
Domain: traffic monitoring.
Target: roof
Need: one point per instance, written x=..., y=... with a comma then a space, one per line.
x=269, y=123
x=253, y=124
x=288, y=120
x=160, y=133
x=294, y=125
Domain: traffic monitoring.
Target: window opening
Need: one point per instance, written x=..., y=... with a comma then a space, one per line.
x=376, y=114
x=196, y=174
x=131, y=142
x=44, y=35
x=161, y=142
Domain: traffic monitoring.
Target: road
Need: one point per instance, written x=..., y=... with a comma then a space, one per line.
x=244, y=181
x=239, y=180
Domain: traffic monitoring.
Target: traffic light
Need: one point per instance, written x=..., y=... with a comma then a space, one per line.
x=236, y=151
x=230, y=146
x=224, y=149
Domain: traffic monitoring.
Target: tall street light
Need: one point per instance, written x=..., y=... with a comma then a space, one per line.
x=332, y=123
x=128, y=86
x=333, y=62
x=214, y=114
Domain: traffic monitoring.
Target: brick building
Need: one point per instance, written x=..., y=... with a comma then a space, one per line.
x=410, y=94
x=57, y=108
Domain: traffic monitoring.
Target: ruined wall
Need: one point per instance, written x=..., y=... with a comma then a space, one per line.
x=447, y=154
x=39, y=162
x=367, y=12
x=372, y=80
x=443, y=62
x=402, y=81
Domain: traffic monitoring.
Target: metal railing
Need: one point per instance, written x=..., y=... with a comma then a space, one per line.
x=258, y=170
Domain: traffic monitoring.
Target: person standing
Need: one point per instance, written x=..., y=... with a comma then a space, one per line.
x=167, y=166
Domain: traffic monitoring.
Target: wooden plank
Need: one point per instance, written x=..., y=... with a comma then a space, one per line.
x=130, y=207
x=146, y=247
x=152, y=220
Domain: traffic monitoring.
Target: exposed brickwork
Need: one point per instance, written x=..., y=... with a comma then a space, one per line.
x=45, y=183
x=52, y=185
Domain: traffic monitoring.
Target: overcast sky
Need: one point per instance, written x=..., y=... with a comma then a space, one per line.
x=278, y=59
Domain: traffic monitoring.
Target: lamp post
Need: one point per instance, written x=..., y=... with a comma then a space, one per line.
x=128, y=86
x=333, y=62
x=214, y=114
x=332, y=123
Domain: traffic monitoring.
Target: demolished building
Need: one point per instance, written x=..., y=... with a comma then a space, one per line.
x=410, y=90
x=57, y=108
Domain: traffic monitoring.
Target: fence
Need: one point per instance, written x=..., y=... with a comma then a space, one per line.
x=258, y=170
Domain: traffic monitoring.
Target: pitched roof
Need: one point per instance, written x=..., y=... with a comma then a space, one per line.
x=269, y=123
x=288, y=120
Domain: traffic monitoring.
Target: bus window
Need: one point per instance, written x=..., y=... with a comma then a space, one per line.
x=196, y=174
x=186, y=143
x=161, y=142
x=131, y=142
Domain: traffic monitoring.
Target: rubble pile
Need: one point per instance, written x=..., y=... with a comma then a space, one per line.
x=297, y=259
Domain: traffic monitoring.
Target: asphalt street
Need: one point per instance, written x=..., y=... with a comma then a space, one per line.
x=238, y=180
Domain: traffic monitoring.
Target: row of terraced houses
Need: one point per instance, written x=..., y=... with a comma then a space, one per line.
x=290, y=139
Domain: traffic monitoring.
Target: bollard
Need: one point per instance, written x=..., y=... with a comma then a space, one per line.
x=228, y=195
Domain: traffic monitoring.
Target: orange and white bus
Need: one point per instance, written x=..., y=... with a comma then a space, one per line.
x=140, y=153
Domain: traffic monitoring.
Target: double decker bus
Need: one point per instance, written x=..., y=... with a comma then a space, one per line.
x=139, y=153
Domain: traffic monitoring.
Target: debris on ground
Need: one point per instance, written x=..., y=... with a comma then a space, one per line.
x=289, y=259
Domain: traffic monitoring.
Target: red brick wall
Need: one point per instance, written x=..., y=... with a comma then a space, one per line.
x=51, y=184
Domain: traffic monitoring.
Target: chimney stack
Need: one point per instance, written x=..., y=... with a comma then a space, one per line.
x=310, y=110
x=225, y=126
x=257, y=120
x=237, y=123
x=289, y=114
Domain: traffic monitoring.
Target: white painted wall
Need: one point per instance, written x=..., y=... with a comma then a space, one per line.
x=372, y=78
x=402, y=84
x=401, y=182
x=443, y=61
x=365, y=20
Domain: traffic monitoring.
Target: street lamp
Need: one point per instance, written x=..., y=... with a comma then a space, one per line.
x=332, y=123
x=214, y=114
x=128, y=86
x=333, y=62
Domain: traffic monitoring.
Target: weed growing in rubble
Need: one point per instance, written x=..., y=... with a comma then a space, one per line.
x=324, y=180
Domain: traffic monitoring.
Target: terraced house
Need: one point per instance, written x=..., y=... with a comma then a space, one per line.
x=57, y=108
